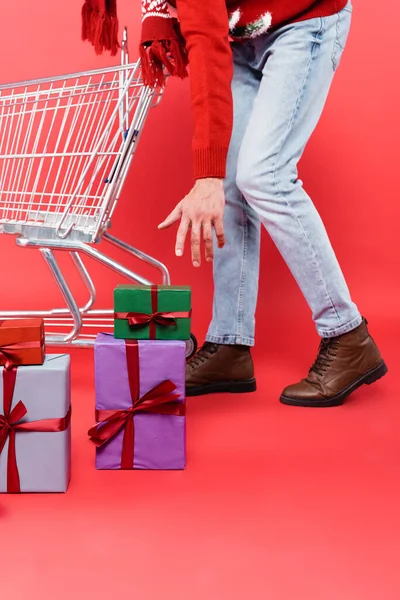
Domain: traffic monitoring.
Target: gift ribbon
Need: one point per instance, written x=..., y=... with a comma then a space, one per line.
x=8, y=352
x=138, y=320
x=161, y=399
x=9, y=425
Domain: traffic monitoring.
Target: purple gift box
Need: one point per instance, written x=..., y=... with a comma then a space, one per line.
x=159, y=439
x=43, y=457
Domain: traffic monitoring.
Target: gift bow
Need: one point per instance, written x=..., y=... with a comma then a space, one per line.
x=5, y=359
x=9, y=425
x=8, y=352
x=160, y=400
x=137, y=320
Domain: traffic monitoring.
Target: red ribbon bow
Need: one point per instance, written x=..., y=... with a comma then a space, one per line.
x=138, y=320
x=161, y=399
x=9, y=351
x=5, y=359
x=9, y=425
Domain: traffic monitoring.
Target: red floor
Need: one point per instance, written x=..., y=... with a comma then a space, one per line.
x=276, y=503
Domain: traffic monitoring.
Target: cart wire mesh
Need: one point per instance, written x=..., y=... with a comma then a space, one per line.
x=66, y=144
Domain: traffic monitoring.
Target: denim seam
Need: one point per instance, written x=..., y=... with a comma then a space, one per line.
x=230, y=339
x=242, y=277
x=336, y=42
x=345, y=328
x=285, y=137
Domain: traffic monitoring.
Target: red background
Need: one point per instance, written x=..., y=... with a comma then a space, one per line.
x=276, y=503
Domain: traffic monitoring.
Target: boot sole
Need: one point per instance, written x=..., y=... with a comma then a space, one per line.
x=231, y=387
x=368, y=378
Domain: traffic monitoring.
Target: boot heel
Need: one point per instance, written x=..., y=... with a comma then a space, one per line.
x=241, y=387
x=376, y=374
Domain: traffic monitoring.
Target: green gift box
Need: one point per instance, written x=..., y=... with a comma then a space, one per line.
x=152, y=312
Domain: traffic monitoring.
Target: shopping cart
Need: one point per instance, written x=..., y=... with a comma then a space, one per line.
x=66, y=145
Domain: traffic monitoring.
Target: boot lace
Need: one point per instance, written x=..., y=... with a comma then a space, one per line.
x=326, y=354
x=207, y=350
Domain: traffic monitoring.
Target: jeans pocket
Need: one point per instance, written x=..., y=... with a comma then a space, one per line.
x=342, y=33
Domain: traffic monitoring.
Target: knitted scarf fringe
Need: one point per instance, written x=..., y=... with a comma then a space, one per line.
x=100, y=30
x=160, y=55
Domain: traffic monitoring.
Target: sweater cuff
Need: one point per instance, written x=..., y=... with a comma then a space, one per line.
x=210, y=162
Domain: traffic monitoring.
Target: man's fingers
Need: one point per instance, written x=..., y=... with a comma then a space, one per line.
x=181, y=236
x=219, y=231
x=172, y=217
x=208, y=241
x=195, y=243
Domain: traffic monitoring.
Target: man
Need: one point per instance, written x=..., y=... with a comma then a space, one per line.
x=283, y=57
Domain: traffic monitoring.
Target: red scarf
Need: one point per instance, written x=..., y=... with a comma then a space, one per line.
x=162, y=45
x=100, y=25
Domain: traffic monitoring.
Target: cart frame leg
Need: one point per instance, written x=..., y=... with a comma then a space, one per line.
x=65, y=291
x=73, y=316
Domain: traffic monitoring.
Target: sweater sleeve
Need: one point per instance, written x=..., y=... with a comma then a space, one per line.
x=205, y=27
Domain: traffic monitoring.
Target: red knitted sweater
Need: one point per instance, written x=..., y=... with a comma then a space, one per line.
x=204, y=26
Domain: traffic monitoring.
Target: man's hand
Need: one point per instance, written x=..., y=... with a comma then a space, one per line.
x=201, y=210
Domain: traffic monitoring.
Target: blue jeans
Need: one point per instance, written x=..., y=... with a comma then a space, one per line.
x=280, y=85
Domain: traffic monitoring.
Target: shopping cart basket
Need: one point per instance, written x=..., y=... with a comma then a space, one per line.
x=66, y=145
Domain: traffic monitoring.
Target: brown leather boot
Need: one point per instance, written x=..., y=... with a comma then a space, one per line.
x=220, y=368
x=343, y=364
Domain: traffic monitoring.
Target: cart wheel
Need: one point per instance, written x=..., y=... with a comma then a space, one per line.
x=191, y=347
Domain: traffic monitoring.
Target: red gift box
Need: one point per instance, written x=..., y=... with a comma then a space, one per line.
x=21, y=342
